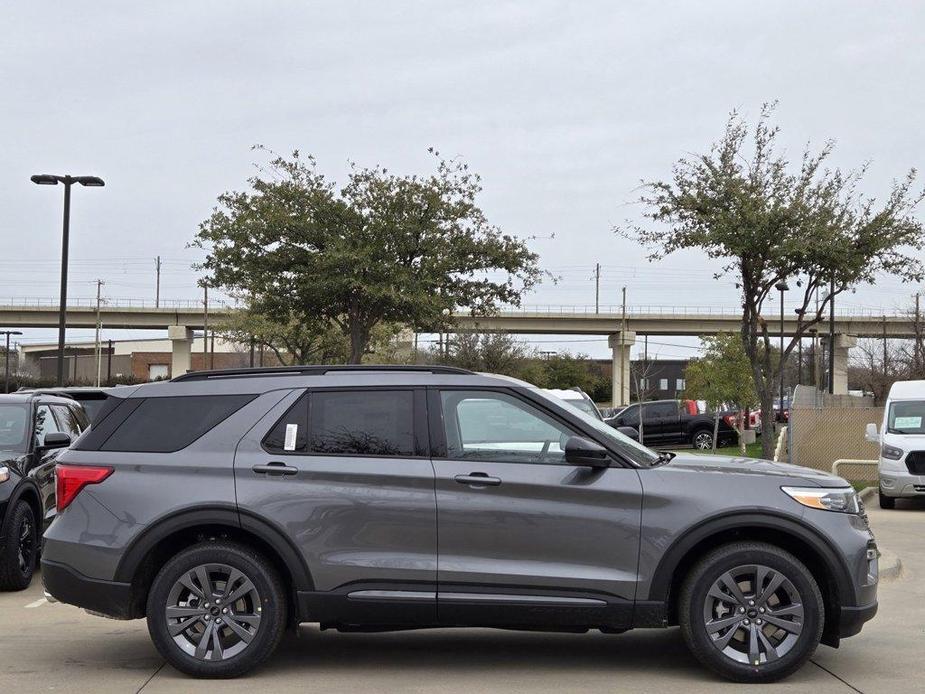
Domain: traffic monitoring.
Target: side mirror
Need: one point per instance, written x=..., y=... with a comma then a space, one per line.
x=579, y=451
x=629, y=432
x=870, y=433
x=56, y=439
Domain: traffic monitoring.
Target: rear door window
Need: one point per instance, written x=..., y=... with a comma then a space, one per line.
x=165, y=425
x=347, y=422
x=368, y=422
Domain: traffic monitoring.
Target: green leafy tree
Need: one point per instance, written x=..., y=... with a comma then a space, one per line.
x=492, y=352
x=382, y=249
x=722, y=377
x=769, y=221
x=295, y=341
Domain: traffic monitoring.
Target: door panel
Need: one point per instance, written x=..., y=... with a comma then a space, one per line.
x=361, y=522
x=565, y=535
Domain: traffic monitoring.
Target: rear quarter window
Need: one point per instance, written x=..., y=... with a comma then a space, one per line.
x=165, y=425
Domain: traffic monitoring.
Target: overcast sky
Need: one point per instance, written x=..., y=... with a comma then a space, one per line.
x=562, y=107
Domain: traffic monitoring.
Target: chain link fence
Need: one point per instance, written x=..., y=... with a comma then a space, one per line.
x=826, y=428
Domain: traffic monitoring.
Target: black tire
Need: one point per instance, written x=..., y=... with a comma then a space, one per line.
x=269, y=608
x=696, y=594
x=702, y=439
x=20, y=548
x=887, y=502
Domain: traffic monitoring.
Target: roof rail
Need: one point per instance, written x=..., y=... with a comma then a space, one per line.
x=316, y=370
x=42, y=391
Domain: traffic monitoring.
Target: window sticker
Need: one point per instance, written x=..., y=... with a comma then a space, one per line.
x=292, y=431
x=907, y=423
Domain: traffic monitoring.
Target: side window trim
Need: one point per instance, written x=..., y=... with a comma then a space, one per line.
x=438, y=432
x=421, y=437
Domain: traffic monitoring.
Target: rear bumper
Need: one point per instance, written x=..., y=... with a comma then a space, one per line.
x=853, y=618
x=109, y=598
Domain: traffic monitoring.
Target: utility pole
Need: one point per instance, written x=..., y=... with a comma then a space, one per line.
x=623, y=347
x=98, y=348
x=109, y=365
x=157, y=286
x=884, y=349
x=6, y=388
x=205, y=325
x=918, y=336
x=597, y=288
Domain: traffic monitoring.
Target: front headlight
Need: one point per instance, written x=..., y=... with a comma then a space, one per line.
x=891, y=452
x=4, y=474
x=842, y=499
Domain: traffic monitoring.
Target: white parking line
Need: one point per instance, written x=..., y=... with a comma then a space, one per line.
x=37, y=603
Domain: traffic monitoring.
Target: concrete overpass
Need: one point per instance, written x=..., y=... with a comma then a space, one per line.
x=180, y=318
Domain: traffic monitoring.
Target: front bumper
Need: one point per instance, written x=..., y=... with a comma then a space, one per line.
x=108, y=598
x=852, y=619
x=901, y=484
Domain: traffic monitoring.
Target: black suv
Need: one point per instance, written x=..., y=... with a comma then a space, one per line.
x=34, y=427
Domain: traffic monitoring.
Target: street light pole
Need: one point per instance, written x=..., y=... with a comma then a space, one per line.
x=832, y=335
x=781, y=287
x=6, y=387
x=68, y=181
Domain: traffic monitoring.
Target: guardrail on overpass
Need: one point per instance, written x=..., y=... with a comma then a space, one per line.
x=138, y=314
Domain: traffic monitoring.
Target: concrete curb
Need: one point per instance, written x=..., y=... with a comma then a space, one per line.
x=890, y=565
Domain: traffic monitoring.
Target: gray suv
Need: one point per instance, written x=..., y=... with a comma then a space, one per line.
x=226, y=506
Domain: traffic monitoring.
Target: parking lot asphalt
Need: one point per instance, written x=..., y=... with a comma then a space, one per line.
x=53, y=647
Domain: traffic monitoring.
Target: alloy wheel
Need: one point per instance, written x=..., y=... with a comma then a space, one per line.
x=26, y=550
x=213, y=612
x=703, y=441
x=753, y=614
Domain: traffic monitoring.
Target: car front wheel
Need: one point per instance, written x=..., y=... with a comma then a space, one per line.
x=887, y=502
x=217, y=609
x=751, y=612
x=20, y=548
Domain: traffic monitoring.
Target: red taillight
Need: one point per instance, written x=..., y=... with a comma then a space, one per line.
x=70, y=479
x=730, y=419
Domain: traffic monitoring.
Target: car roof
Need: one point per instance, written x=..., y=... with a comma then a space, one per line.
x=30, y=395
x=255, y=381
x=906, y=390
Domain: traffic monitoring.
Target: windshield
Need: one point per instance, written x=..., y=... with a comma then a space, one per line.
x=609, y=436
x=906, y=417
x=14, y=430
x=584, y=406
x=92, y=407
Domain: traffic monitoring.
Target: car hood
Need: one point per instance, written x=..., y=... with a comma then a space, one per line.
x=751, y=466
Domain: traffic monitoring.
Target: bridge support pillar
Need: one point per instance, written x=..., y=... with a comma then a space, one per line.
x=843, y=343
x=620, y=344
x=181, y=343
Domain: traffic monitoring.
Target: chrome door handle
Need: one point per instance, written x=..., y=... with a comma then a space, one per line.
x=275, y=469
x=478, y=479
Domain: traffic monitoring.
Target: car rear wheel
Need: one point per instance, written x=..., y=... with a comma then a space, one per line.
x=751, y=612
x=702, y=440
x=887, y=502
x=20, y=548
x=217, y=609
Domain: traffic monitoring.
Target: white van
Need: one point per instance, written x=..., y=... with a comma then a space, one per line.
x=902, y=443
